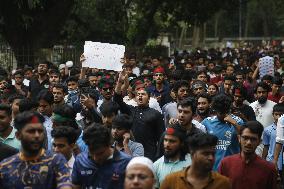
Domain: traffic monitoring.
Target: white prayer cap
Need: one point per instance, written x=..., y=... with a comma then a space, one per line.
x=143, y=161
x=61, y=66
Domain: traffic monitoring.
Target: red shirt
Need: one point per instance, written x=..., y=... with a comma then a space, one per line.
x=274, y=98
x=257, y=174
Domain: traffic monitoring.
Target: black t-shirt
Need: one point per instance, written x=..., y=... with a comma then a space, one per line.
x=35, y=87
x=6, y=151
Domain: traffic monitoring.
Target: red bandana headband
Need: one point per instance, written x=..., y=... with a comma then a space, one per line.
x=35, y=119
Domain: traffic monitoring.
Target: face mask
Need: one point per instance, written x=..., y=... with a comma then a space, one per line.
x=72, y=92
x=262, y=100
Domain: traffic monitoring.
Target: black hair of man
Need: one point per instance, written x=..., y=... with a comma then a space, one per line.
x=46, y=95
x=72, y=78
x=263, y=85
x=230, y=78
x=97, y=136
x=46, y=63
x=267, y=77
x=19, y=72
x=241, y=89
x=6, y=108
x=205, y=95
x=254, y=127
x=26, y=117
x=27, y=105
x=200, y=141
x=65, y=132
x=60, y=86
x=14, y=97
x=105, y=81
x=54, y=72
x=122, y=121
x=221, y=103
x=278, y=108
x=277, y=81
x=188, y=102
x=75, y=71
x=109, y=108
x=179, y=84
x=93, y=74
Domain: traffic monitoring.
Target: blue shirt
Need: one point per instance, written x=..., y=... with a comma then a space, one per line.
x=228, y=143
x=110, y=175
x=49, y=171
x=269, y=139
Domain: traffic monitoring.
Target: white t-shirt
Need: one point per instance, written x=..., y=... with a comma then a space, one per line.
x=263, y=113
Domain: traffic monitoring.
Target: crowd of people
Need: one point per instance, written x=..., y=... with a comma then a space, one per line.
x=200, y=119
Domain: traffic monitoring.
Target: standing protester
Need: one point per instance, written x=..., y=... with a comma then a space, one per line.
x=259, y=174
x=59, y=91
x=139, y=174
x=225, y=126
x=33, y=167
x=175, y=156
x=203, y=107
x=19, y=85
x=101, y=166
x=199, y=175
x=121, y=134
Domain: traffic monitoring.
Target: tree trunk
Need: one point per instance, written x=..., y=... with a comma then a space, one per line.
x=196, y=35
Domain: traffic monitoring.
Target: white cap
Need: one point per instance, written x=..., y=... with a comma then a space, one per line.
x=143, y=161
x=69, y=64
x=61, y=66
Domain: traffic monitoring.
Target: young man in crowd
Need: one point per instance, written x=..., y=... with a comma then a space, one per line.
x=175, y=156
x=54, y=77
x=41, y=169
x=101, y=166
x=203, y=107
x=199, y=175
x=73, y=98
x=121, y=134
x=259, y=174
x=64, y=141
x=59, y=91
x=19, y=85
x=225, y=126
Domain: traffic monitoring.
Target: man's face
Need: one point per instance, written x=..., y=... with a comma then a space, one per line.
x=238, y=99
x=172, y=146
x=19, y=79
x=142, y=98
x=188, y=67
x=139, y=177
x=32, y=137
x=202, y=105
x=54, y=78
x=107, y=120
x=184, y=115
x=239, y=79
x=58, y=94
x=155, y=62
x=198, y=89
x=42, y=69
x=230, y=70
x=61, y=145
x=275, y=89
x=211, y=66
x=101, y=154
x=132, y=61
x=5, y=121
x=93, y=80
x=117, y=133
x=276, y=116
x=183, y=92
x=249, y=141
x=159, y=78
x=261, y=93
x=44, y=108
x=147, y=82
x=202, y=77
x=107, y=92
x=15, y=106
x=72, y=85
x=228, y=86
x=28, y=74
x=204, y=158
x=212, y=90
x=3, y=84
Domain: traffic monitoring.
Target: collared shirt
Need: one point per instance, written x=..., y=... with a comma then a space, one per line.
x=135, y=148
x=269, y=139
x=178, y=180
x=87, y=174
x=164, y=167
x=70, y=163
x=257, y=174
x=44, y=172
x=11, y=140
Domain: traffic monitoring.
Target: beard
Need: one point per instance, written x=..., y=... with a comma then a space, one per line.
x=27, y=146
x=262, y=100
x=171, y=153
x=204, y=113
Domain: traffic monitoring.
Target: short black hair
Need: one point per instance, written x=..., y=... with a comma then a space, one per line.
x=122, y=121
x=60, y=86
x=267, y=77
x=46, y=95
x=277, y=81
x=278, y=108
x=25, y=117
x=14, y=97
x=109, y=108
x=6, y=108
x=45, y=62
x=54, y=71
x=19, y=72
x=72, y=78
x=97, y=136
x=242, y=90
x=221, y=103
x=65, y=132
x=27, y=105
x=179, y=84
x=254, y=126
x=204, y=95
x=201, y=140
x=263, y=85
x=188, y=102
x=230, y=77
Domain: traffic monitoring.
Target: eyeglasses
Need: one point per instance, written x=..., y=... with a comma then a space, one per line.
x=159, y=75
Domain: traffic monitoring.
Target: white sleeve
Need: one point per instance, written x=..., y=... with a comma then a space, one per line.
x=280, y=130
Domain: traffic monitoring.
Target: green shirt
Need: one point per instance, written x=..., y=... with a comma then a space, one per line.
x=11, y=140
